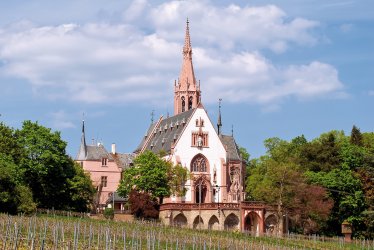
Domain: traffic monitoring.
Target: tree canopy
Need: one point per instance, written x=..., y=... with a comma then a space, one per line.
x=154, y=176
x=326, y=180
x=33, y=158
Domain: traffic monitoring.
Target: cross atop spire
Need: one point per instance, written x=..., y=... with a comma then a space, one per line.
x=187, y=92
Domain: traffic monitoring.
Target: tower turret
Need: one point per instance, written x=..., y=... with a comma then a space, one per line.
x=82, y=154
x=186, y=90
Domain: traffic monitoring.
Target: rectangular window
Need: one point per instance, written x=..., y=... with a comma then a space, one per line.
x=104, y=181
x=199, y=139
x=104, y=162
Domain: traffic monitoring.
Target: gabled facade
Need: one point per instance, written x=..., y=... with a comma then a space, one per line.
x=105, y=170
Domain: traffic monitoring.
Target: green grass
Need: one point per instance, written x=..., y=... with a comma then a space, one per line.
x=58, y=232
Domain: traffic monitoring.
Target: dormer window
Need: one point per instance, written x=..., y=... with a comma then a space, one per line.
x=104, y=162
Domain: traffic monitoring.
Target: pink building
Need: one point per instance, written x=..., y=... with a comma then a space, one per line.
x=105, y=169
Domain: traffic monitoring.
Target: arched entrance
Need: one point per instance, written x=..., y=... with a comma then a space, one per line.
x=231, y=222
x=271, y=224
x=213, y=223
x=252, y=223
x=198, y=223
x=201, y=192
x=180, y=220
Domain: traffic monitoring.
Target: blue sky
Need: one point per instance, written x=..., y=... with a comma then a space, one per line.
x=283, y=68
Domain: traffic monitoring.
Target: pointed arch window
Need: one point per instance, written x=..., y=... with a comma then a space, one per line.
x=190, y=102
x=183, y=104
x=199, y=164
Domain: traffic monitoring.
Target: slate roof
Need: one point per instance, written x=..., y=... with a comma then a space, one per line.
x=166, y=133
x=233, y=153
x=124, y=161
x=117, y=198
x=93, y=152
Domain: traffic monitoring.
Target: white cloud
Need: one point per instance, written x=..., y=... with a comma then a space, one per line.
x=233, y=26
x=61, y=120
x=121, y=63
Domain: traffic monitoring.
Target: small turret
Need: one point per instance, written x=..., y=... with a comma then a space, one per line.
x=219, y=122
x=82, y=154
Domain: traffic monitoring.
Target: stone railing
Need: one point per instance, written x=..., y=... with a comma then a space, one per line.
x=196, y=206
x=214, y=206
x=252, y=205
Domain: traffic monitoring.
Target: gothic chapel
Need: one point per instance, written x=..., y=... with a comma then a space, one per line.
x=190, y=139
x=215, y=191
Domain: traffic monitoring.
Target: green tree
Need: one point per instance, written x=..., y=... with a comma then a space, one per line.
x=277, y=179
x=244, y=154
x=323, y=153
x=55, y=180
x=81, y=190
x=14, y=196
x=345, y=188
x=45, y=165
x=356, y=136
x=152, y=175
x=8, y=143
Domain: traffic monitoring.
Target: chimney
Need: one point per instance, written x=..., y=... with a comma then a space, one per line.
x=113, y=148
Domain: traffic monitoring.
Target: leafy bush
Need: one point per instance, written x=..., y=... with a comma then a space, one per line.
x=109, y=213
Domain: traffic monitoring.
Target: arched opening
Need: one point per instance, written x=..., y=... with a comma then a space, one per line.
x=190, y=103
x=231, y=222
x=271, y=224
x=180, y=220
x=183, y=104
x=252, y=223
x=198, y=223
x=213, y=223
x=200, y=191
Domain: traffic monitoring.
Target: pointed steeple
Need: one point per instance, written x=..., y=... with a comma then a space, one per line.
x=219, y=122
x=187, y=79
x=187, y=92
x=187, y=48
x=82, y=154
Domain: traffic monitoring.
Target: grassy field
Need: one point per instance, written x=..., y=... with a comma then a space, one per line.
x=57, y=232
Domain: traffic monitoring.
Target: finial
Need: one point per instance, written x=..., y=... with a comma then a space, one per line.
x=232, y=130
x=219, y=123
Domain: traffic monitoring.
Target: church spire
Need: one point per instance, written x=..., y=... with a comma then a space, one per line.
x=187, y=92
x=187, y=48
x=219, y=122
x=82, y=154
